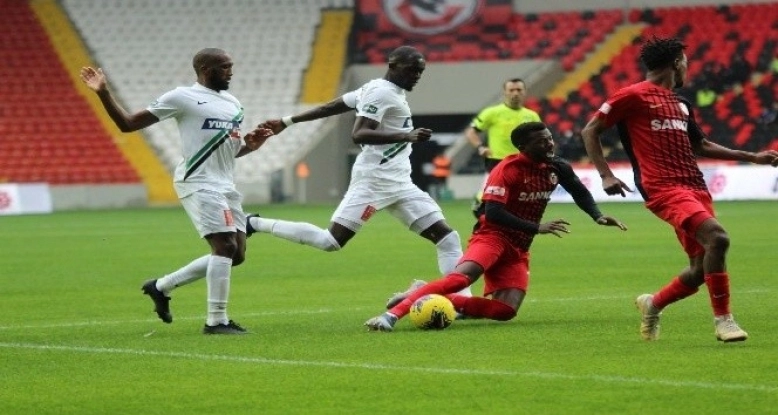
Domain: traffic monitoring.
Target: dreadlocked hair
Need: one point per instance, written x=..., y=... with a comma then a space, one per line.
x=659, y=53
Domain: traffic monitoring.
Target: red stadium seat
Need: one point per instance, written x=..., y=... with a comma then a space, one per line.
x=49, y=150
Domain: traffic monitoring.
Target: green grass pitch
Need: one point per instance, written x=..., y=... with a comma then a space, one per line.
x=78, y=337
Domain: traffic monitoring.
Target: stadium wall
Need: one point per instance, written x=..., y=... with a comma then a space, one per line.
x=534, y=6
x=725, y=182
x=90, y=197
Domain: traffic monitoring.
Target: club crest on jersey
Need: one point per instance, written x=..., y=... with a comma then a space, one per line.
x=494, y=190
x=429, y=17
x=370, y=109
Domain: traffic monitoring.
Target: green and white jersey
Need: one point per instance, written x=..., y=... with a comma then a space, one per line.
x=383, y=101
x=209, y=125
x=498, y=121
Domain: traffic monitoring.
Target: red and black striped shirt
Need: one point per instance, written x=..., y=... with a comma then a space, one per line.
x=524, y=187
x=658, y=132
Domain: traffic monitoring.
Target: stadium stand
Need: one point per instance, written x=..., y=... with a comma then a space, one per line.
x=729, y=46
x=146, y=49
x=271, y=47
x=48, y=131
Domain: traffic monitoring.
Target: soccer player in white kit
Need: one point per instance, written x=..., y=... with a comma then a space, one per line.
x=381, y=175
x=209, y=120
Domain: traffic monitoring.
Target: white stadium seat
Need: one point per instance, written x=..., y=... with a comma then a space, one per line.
x=146, y=47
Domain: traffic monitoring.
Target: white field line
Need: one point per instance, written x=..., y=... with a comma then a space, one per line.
x=392, y=368
x=302, y=312
x=156, y=320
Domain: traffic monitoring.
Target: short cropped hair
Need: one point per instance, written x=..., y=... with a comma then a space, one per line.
x=206, y=57
x=512, y=80
x=403, y=55
x=521, y=134
x=660, y=53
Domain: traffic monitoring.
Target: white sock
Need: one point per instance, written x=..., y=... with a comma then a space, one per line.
x=449, y=252
x=190, y=272
x=260, y=224
x=302, y=233
x=218, y=278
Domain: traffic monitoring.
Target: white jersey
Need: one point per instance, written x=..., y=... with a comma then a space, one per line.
x=209, y=125
x=384, y=102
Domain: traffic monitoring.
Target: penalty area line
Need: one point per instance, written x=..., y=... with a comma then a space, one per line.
x=392, y=368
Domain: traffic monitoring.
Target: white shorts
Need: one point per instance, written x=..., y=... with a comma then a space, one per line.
x=405, y=202
x=214, y=212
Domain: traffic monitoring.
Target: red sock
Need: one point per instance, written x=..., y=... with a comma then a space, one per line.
x=480, y=307
x=672, y=292
x=458, y=301
x=451, y=283
x=718, y=289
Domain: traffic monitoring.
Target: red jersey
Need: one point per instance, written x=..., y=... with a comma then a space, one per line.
x=524, y=187
x=657, y=130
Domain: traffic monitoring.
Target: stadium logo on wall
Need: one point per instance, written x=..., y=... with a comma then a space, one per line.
x=429, y=17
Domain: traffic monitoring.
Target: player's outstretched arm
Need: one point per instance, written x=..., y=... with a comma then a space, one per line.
x=96, y=80
x=582, y=196
x=334, y=107
x=496, y=213
x=591, y=134
x=475, y=140
x=717, y=151
x=366, y=131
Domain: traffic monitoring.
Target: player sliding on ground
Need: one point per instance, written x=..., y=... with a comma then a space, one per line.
x=515, y=196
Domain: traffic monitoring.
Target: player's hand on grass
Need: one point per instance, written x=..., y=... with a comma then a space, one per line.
x=276, y=126
x=556, y=227
x=256, y=138
x=93, y=78
x=419, y=135
x=612, y=186
x=610, y=221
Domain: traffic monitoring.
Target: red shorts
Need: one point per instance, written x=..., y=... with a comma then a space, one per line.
x=685, y=210
x=505, y=266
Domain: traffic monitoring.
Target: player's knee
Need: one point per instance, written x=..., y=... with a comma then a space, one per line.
x=239, y=257
x=227, y=248
x=719, y=241
x=503, y=312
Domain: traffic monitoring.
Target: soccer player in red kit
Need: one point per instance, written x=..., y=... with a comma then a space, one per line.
x=515, y=197
x=661, y=137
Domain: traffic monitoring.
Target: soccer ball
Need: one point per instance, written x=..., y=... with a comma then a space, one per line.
x=432, y=312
